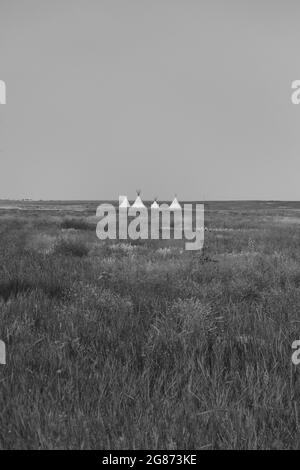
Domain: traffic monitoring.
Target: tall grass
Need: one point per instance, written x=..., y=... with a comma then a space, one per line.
x=147, y=347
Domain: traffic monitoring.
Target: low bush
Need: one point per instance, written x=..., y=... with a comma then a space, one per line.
x=71, y=247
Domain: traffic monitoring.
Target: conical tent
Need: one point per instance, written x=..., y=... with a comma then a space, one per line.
x=138, y=203
x=175, y=204
x=123, y=202
x=154, y=205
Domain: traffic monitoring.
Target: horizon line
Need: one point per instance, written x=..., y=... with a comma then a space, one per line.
x=146, y=200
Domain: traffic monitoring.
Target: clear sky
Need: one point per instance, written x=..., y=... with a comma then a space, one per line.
x=171, y=96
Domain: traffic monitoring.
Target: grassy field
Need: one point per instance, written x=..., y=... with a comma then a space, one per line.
x=125, y=346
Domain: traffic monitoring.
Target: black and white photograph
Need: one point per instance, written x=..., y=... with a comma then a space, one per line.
x=149, y=228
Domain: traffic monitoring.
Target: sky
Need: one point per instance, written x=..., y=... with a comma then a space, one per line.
x=191, y=97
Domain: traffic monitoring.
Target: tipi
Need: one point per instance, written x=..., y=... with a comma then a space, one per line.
x=175, y=204
x=138, y=203
x=123, y=202
x=154, y=204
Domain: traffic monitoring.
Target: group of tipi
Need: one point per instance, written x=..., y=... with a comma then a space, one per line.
x=138, y=203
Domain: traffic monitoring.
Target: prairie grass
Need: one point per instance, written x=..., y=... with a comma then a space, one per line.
x=120, y=345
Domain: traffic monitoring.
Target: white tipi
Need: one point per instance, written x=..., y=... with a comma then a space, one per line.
x=154, y=204
x=123, y=202
x=175, y=204
x=138, y=203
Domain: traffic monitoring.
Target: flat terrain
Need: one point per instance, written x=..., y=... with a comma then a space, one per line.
x=116, y=345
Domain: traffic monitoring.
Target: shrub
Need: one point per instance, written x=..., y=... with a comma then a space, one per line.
x=71, y=247
x=76, y=223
